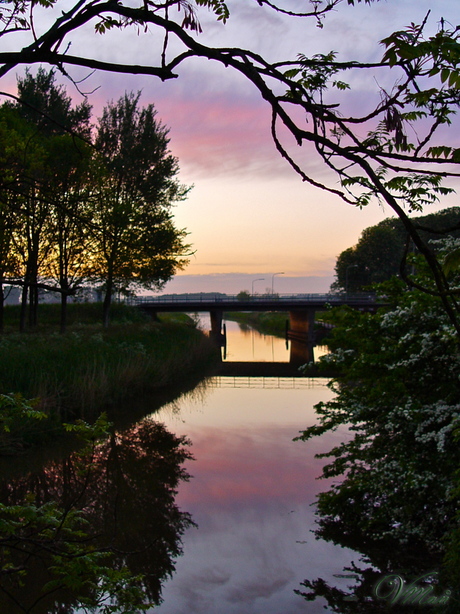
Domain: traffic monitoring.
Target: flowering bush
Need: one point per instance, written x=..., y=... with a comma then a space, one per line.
x=399, y=394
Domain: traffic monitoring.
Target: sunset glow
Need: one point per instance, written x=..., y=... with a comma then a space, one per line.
x=248, y=212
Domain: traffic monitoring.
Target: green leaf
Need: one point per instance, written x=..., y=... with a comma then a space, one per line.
x=341, y=85
x=445, y=74
x=452, y=262
x=437, y=152
x=291, y=73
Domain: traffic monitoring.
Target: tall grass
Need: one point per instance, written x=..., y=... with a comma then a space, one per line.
x=88, y=368
x=77, y=313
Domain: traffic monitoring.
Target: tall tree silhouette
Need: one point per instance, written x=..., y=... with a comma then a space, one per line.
x=135, y=241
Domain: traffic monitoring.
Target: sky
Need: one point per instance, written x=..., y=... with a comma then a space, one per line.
x=248, y=215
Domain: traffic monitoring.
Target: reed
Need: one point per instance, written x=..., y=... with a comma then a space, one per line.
x=77, y=313
x=89, y=368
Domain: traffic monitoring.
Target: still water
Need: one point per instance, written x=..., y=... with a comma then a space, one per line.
x=246, y=344
x=252, y=491
x=249, y=496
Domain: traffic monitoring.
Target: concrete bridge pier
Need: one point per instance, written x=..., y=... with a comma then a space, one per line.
x=216, y=332
x=302, y=336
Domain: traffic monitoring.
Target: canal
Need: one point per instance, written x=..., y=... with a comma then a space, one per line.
x=209, y=495
x=252, y=490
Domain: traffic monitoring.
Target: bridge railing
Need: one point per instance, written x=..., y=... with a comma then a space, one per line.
x=253, y=298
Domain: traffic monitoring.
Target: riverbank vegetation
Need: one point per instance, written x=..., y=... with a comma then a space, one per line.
x=267, y=322
x=89, y=368
x=399, y=394
x=68, y=533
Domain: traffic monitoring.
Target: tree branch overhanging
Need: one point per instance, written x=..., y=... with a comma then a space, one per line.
x=390, y=151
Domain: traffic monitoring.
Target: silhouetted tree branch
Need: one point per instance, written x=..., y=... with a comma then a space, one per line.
x=392, y=152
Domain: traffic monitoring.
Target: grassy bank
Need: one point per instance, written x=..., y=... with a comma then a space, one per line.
x=268, y=322
x=81, y=372
x=82, y=313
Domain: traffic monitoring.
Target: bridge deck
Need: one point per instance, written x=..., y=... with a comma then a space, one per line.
x=291, y=302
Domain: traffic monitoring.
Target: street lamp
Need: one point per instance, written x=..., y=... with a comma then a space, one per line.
x=350, y=266
x=254, y=281
x=273, y=278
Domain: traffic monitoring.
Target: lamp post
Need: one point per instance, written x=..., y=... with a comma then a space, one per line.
x=350, y=266
x=273, y=278
x=254, y=281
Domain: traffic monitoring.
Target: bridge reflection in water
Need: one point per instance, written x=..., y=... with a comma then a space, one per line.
x=251, y=354
x=265, y=355
x=283, y=383
x=259, y=369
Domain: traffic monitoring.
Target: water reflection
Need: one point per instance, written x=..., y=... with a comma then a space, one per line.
x=246, y=344
x=257, y=537
x=251, y=497
x=392, y=573
x=126, y=488
x=374, y=591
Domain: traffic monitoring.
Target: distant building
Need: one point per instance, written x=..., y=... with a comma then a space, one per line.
x=12, y=295
x=83, y=295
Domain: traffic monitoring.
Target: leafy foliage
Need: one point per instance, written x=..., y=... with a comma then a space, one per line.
x=399, y=396
x=380, y=251
x=67, y=540
x=19, y=423
x=135, y=241
x=77, y=211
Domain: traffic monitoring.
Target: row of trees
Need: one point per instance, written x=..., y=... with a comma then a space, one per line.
x=83, y=204
x=381, y=250
x=394, y=147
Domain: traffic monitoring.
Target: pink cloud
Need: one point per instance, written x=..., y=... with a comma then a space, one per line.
x=219, y=134
x=240, y=469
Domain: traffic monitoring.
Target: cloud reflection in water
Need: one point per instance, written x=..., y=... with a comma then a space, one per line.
x=251, y=496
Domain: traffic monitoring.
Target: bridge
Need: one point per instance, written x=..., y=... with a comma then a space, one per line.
x=302, y=309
